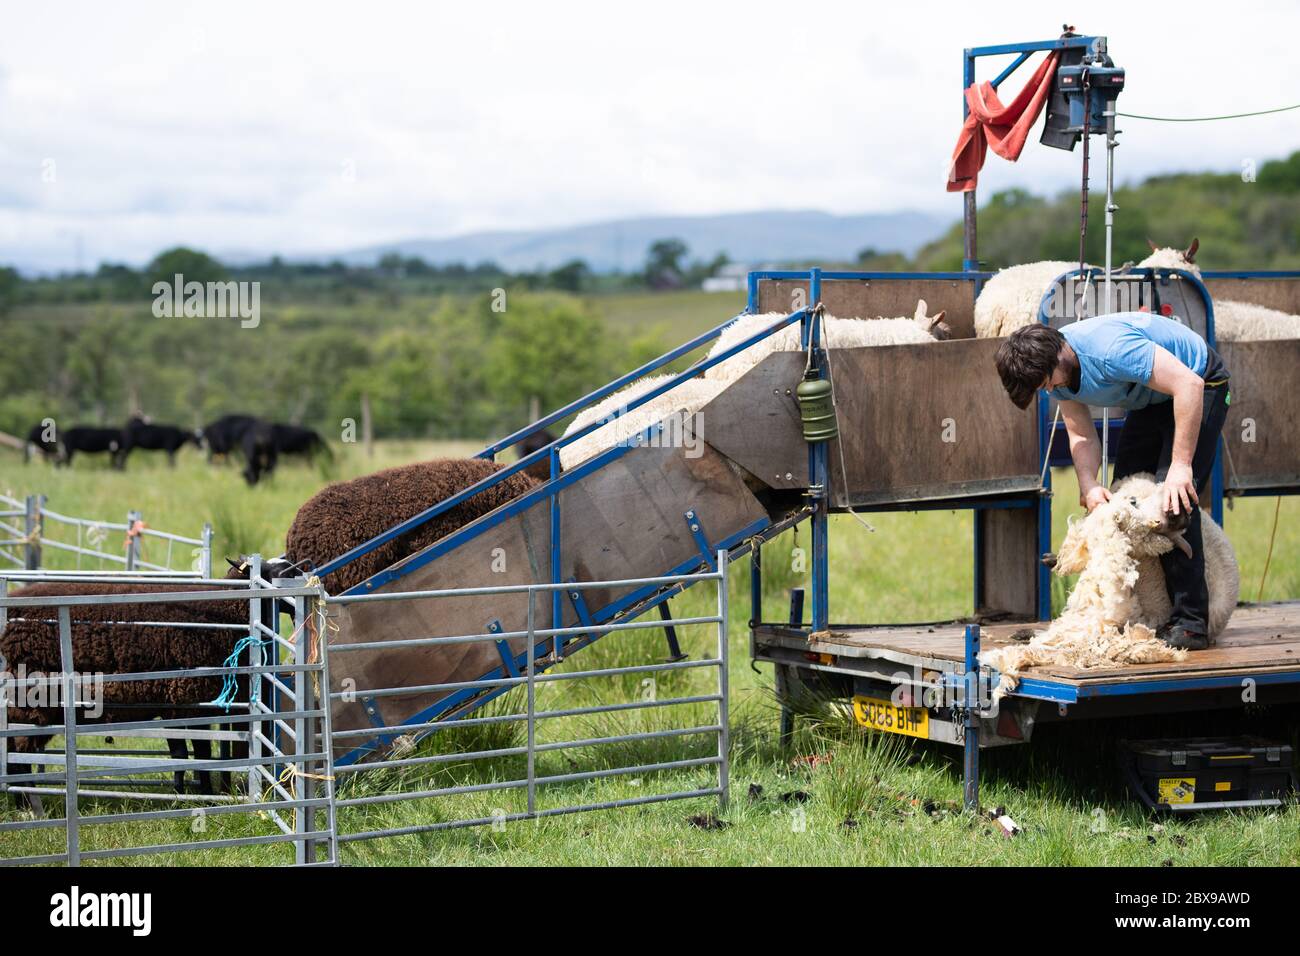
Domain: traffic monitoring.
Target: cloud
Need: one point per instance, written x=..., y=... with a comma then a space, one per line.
x=256, y=127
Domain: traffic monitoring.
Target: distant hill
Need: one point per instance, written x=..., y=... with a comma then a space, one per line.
x=621, y=244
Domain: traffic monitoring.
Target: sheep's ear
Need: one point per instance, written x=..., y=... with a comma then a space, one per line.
x=1073, y=554
x=1154, y=247
x=1190, y=254
x=937, y=318
x=920, y=314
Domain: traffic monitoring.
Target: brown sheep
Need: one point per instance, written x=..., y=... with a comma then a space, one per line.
x=28, y=642
x=349, y=513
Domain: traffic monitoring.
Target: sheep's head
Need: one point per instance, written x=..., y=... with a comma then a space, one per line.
x=1135, y=512
x=932, y=324
x=1170, y=258
x=280, y=567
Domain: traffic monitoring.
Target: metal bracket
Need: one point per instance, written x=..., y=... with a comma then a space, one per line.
x=584, y=618
x=670, y=632
x=503, y=648
x=701, y=539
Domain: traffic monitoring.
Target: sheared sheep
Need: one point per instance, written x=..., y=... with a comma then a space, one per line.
x=1120, y=600
x=349, y=513
x=1234, y=321
x=693, y=394
x=1012, y=297
x=98, y=646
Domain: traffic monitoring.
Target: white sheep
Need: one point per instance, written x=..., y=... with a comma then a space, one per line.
x=1012, y=297
x=693, y=394
x=1120, y=600
x=1234, y=321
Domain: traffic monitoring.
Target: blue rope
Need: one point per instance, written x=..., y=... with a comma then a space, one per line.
x=230, y=687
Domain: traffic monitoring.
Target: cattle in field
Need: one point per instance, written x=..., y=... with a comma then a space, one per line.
x=36, y=441
x=224, y=435
x=140, y=433
x=264, y=442
x=90, y=440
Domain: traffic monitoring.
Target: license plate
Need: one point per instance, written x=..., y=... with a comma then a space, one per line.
x=880, y=714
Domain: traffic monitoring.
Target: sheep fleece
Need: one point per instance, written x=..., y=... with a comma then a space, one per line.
x=348, y=513
x=98, y=646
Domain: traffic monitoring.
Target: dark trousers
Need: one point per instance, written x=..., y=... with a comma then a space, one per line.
x=1146, y=444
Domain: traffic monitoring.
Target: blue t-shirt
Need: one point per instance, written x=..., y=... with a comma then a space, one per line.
x=1117, y=352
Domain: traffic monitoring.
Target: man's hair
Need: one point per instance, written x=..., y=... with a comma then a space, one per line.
x=1026, y=359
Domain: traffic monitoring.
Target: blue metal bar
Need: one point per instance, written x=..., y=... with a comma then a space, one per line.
x=787, y=274
x=557, y=563
x=498, y=476
x=756, y=585
x=1010, y=69
x=971, y=740
x=1069, y=693
x=1251, y=274
x=819, y=478
x=1061, y=43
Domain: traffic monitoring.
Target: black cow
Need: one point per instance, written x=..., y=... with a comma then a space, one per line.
x=139, y=433
x=264, y=442
x=36, y=440
x=90, y=440
x=225, y=434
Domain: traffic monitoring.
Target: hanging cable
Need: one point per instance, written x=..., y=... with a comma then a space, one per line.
x=1207, y=119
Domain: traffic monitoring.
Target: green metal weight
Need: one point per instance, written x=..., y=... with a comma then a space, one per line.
x=816, y=410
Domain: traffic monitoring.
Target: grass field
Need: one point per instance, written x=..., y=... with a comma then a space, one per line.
x=869, y=800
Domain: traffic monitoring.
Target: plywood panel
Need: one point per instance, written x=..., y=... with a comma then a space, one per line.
x=625, y=521
x=872, y=298
x=1262, y=431
x=916, y=422
x=1009, y=546
x=1274, y=293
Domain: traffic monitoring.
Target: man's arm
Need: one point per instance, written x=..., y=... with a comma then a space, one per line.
x=1085, y=451
x=1173, y=378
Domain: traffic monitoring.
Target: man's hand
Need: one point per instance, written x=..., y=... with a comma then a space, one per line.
x=1093, y=497
x=1179, y=489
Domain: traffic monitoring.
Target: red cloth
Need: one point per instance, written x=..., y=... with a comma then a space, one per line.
x=989, y=123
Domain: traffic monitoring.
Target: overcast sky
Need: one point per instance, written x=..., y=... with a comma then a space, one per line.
x=309, y=127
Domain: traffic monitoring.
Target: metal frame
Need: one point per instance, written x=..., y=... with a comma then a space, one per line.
x=31, y=538
x=280, y=782
x=532, y=671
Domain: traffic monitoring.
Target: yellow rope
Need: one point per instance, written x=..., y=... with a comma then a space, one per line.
x=1268, y=559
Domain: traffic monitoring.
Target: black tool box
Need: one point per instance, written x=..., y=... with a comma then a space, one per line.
x=1207, y=773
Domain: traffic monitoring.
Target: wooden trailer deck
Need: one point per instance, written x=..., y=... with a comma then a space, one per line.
x=1262, y=642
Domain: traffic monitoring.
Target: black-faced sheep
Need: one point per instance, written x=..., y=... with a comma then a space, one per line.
x=1120, y=599
x=348, y=513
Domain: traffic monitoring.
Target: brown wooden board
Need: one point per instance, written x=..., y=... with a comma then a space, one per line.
x=916, y=422
x=1010, y=559
x=873, y=298
x=1274, y=293
x=626, y=520
x=1259, y=638
x=1262, y=431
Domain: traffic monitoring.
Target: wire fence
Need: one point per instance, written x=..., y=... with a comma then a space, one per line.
x=28, y=527
x=286, y=776
x=268, y=723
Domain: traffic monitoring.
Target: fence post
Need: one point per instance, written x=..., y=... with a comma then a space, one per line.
x=255, y=681
x=532, y=706
x=304, y=817
x=32, y=531
x=132, y=540
x=69, y=686
x=724, y=682
x=205, y=552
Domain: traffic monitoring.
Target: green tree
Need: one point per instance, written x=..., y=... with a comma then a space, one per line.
x=194, y=265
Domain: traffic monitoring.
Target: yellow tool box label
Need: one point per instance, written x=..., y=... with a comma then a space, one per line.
x=1177, y=789
x=1221, y=785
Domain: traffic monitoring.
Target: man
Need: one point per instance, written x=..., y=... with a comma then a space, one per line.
x=1175, y=390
